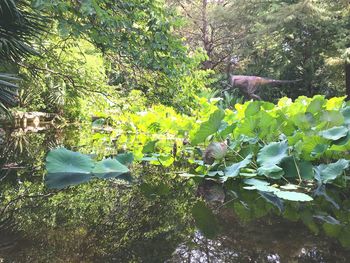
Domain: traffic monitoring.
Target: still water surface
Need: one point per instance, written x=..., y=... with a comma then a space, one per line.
x=160, y=217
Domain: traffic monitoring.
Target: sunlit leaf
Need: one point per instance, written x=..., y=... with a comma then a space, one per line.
x=329, y=172
x=110, y=168
x=61, y=160
x=271, y=171
x=272, y=153
x=316, y=104
x=334, y=133
x=209, y=127
x=332, y=117
x=346, y=114
x=293, y=196
x=233, y=170
x=149, y=147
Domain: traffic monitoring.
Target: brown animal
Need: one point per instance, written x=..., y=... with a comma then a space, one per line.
x=249, y=84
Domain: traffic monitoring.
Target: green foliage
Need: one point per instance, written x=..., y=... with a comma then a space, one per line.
x=291, y=141
x=208, y=128
x=8, y=92
x=19, y=24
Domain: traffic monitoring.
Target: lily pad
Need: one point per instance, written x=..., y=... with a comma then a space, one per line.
x=262, y=188
x=346, y=114
x=334, y=133
x=290, y=169
x=272, y=153
x=255, y=182
x=329, y=172
x=109, y=168
x=233, y=170
x=61, y=160
x=271, y=171
x=293, y=196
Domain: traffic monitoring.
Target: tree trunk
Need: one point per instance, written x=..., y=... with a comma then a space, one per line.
x=347, y=80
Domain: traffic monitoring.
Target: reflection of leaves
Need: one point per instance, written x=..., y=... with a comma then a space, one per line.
x=321, y=191
x=273, y=199
x=64, y=179
x=150, y=190
x=205, y=220
x=332, y=230
x=328, y=219
x=344, y=236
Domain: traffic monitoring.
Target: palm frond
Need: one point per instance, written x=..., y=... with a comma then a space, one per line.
x=8, y=92
x=17, y=28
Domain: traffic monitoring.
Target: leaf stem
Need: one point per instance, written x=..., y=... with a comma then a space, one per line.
x=296, y=166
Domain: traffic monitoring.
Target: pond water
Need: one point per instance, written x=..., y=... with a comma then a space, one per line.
x=159, y=217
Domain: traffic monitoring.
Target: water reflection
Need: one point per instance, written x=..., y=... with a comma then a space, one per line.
x=159, y=218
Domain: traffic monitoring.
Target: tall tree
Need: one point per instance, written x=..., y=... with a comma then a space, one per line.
x=279, y=39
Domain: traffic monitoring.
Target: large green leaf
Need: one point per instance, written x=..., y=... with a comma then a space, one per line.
x=262, y=188
x=109, y=168
x=293, y=196
x=346, y=114
x=272, y=153
x=303, y=120
x=334, y=133
x=316, y=104
x=332, y=118
x=271, y=171
x=329, y=172
x=233, y=170
x=209, y=127
x=61, y=160
x=252, y=109
x=149, y=147
x=255, y=182
x=291, y=168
